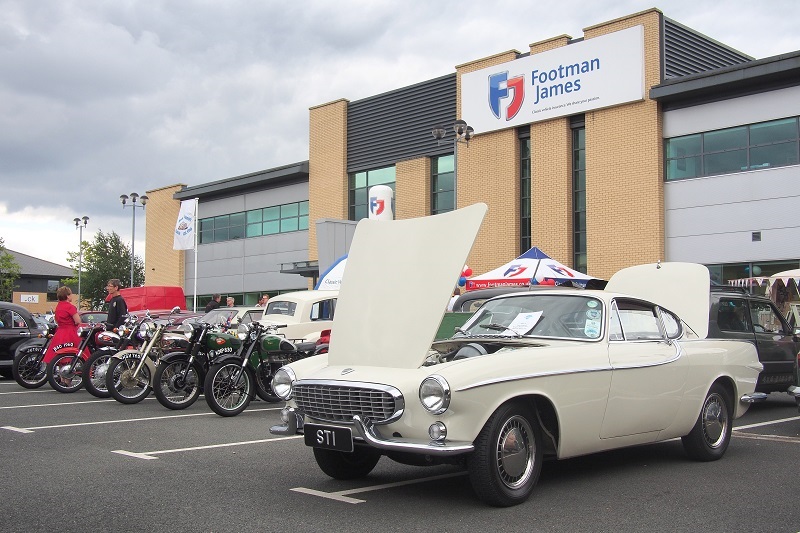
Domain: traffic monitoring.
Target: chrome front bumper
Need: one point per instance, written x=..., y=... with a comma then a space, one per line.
x=753, y=398
x=366, y=431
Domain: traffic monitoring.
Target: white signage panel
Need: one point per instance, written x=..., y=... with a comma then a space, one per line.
x=29, y=298
x=591, y=74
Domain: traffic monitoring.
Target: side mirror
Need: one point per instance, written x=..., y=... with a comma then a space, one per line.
x=176, y=309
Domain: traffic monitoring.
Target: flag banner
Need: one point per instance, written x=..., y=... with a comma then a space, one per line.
x=184, y=227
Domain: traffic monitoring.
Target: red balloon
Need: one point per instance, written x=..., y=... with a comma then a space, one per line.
x=468, y=272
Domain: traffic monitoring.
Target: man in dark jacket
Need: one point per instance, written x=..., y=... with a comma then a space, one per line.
x=214, y=303
x=117, y=308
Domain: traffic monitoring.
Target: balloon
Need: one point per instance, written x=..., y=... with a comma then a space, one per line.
x=468, y=272
x=462, y=281
x=756, y=270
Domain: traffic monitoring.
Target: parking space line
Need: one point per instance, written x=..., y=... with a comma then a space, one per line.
x=773, y=438
x=56, y=404
x=36, y=391
x=150, y=455
x=342, y=495
x=120, y=421
x=767, y=423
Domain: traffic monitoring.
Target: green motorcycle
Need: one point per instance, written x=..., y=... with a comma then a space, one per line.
x=233, y=379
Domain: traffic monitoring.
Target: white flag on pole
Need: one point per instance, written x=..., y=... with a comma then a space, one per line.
x=184, y=227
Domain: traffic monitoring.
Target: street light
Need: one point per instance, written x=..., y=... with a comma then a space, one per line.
x=79, y=227
x=124, y=199
x=463, y=133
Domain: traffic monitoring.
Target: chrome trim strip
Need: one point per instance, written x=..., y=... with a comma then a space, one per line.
x=367, y=431
x=534, y=375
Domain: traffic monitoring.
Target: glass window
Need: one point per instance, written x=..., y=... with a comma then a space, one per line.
x=639, y=321
x=276, y=219
x=359, y=184
x=280, y=308
x=765, y=318
x=755, y=146
x=732, y=315
x=52, y=288
x=579, y=258
x=672, y=326
x=524, y=195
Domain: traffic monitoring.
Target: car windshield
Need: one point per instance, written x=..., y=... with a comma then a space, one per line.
x=552, y=315
x=219, y=316
x=280, y=308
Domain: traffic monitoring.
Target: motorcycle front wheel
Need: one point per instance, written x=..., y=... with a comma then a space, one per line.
x=225, y=394
x=177, y=384
x=124, y=386
x=60, y=374
x=95, y=375
x=29, y=370
x=264, y=384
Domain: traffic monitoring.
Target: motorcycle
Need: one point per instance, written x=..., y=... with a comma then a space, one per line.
x=129, y=377
x=109, y=343
x=178, y=380
x=65, y=368
x=29, y=368
x=234, y=379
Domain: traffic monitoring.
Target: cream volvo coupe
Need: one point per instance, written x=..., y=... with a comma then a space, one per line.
x=550, y=373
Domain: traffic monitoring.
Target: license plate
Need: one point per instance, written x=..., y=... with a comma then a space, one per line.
x=329, y=437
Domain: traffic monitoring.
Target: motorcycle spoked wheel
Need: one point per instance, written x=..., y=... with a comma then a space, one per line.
x=176, y=387
x=96, y=367
x=29, y=370
x=123, y=385
x=59, y=375
x=264, y=384
x=224, y=396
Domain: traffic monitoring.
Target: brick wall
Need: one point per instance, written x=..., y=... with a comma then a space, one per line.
x=412, y=188
x=327, y=167
x=162, y=264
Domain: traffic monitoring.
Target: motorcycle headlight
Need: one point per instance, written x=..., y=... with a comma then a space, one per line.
x=82, y=331
x=282, y=382
x=243, y=331
x=186, y=330
x=146, y=330
x=434, y=393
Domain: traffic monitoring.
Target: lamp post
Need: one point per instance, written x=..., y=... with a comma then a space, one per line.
x=134, y=198
x=463, y=133
x=79, y=227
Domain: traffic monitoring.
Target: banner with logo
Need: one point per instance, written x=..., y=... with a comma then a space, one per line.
x=185, y=226
x=591, y=74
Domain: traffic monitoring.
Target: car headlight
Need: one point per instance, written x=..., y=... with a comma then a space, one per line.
x=283, y=382
x=186, y=330
x=434, y=393
x=243, y=331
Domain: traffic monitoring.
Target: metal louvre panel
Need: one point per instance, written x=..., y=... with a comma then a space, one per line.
x=688, y=52
x=335, y=402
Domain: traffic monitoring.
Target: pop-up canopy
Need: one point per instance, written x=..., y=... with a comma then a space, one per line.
x=532, y=265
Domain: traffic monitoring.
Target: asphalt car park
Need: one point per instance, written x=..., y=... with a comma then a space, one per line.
x=74, y=462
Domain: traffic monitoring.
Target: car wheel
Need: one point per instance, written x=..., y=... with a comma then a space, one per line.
x=711, y=434
x=507, y=460
x=347, y=465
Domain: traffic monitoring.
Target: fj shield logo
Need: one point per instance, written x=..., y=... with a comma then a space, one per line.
x=499, y=86
x=376, y=206
x=347, y=371
x=514, y=270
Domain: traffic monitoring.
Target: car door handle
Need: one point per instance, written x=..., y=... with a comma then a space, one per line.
x=24, y=333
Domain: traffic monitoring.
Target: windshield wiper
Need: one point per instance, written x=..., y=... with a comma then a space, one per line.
x=501, y=327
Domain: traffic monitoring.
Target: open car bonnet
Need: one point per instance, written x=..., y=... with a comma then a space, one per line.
x=683, y=288
x=399, y=278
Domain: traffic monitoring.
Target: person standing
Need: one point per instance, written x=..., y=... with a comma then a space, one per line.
x=67, y=319
x=229, y=301
x=117, y=308
x=263, y=301
x=214, y=303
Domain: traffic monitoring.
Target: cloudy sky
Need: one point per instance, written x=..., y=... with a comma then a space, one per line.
x=102, y=98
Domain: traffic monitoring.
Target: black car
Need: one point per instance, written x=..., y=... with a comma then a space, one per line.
x=16, y=326
x=736, y=314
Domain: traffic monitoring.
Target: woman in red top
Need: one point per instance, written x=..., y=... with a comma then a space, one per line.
x=67, y=319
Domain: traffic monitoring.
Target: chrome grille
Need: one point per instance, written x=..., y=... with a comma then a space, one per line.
x=335, y=402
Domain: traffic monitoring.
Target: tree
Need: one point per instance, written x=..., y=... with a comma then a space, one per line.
x=104, y=258
x=9, y=273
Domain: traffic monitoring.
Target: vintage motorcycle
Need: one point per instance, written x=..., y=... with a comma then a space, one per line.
x=29, y=368
x=109, y=343
x=65, y=368
x=129, y=377
x=178, y=380
x=234, y=378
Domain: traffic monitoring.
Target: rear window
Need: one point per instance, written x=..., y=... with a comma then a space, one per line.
x=280, y=308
